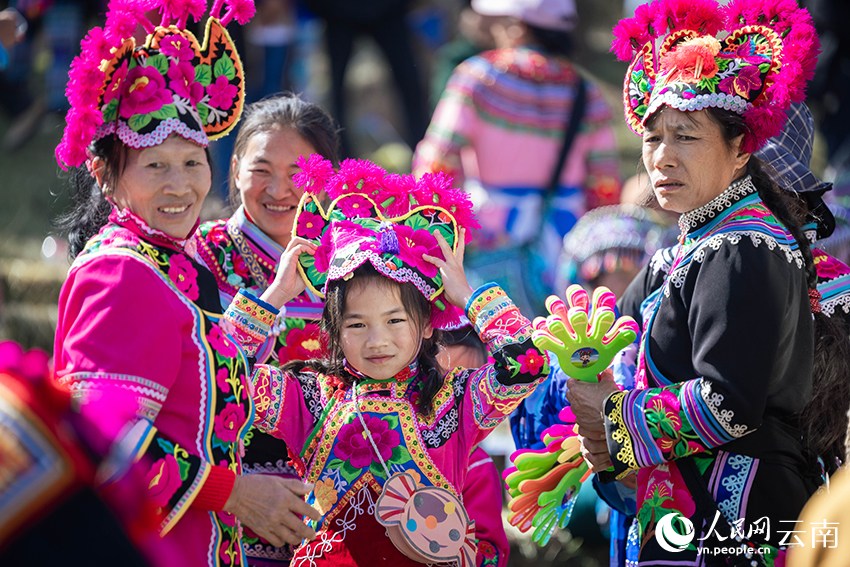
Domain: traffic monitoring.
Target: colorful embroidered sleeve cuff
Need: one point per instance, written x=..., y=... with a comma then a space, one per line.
x=216, y=489
x=252, y=319
x=497, y=320
x=657, y=425
x=269, y=384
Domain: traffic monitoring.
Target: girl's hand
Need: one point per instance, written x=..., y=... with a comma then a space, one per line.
x=455, y=285
x=288, y=283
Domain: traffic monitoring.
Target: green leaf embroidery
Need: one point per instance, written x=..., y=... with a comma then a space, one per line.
x=225, y=67
x=643, y=85
x=377, y=470
x=159, y=61
x=167, y=111
x=391, y=419
x=294, y=323
x=307, y=260
x=400, y=455
x=417, y=222
x=335, y=463
x=203, y=74
x=166, y=446
x=184, y=469
x=764, y=67
x=641, y=110
x=139, y=121
x=348, y=472
x=110, y=111
x=203, y=111
x=637, y=76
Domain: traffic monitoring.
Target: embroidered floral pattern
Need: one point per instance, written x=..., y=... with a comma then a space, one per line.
x=184, y=275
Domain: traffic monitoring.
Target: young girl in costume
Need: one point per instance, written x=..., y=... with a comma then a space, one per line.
x=382, y=433
x=243, y=252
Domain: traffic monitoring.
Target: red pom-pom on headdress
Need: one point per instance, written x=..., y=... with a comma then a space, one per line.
x=314, y=174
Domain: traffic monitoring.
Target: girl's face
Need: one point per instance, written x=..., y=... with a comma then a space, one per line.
x=379, y=338
x=165, y=185
x=264, y=178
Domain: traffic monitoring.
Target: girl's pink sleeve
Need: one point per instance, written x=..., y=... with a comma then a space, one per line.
x=276, y=393
x=515, y=366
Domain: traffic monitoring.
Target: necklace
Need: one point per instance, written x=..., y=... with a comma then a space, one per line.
x=369, y=433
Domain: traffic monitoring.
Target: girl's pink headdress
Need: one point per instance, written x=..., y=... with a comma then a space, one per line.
x=170, y=84
x=757, y=70
x=387, y=220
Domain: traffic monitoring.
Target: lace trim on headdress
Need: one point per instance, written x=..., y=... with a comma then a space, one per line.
x=735, y=192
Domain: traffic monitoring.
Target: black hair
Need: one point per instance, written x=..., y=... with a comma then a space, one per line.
x=554, y=42
x=466, y=337
x=288, y=110
x=89, y=210
x=824, y=419
x=418, y=308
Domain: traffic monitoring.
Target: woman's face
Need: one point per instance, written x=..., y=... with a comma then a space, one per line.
x=166, y=185
x=379, y=338
x=264, y=179
x=688, y=161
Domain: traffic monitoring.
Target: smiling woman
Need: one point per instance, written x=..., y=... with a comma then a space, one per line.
x=138, y=317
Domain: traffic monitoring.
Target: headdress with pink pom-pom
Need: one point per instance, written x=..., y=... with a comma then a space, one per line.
x=170, y=84
x=387, y=220
x=757, y=70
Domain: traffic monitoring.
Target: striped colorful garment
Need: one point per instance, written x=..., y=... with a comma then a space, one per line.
x=500, y=125
x=725, y=366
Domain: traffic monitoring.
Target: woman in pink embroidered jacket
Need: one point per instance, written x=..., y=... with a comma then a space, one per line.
x=137, y=314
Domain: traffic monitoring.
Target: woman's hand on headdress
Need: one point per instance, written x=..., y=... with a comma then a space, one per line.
x=455, y=285
x=288, y=283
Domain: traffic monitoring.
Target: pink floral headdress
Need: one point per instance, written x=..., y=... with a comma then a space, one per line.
x=170, y=84
x=757, y=70
x=387, y=220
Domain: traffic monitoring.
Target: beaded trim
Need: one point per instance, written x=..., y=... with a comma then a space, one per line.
x=672, y=99
x=155, y=138
x=735, y=192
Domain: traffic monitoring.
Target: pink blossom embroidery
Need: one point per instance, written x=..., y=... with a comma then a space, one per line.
x=163, y=480
x=828, y=267
x=240, y=267
x=222, y=93
x=117, y=82
x=355, y=206
x=221, y=343
x=177, y=46
x=302, y=344
x=184, y=275
x=228, y=422
x=353, y=445
x=183, y=82
x=413, y=244
x=530, y=362
x=145, y=92
x=221, y=379
x=310, y=225
x=748, y=79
